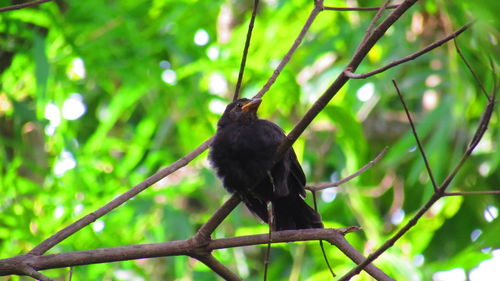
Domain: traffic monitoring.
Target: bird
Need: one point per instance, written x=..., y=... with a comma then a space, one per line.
x=242, y=155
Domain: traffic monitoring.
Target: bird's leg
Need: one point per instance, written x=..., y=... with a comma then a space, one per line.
x=270, y=216
x=271, y=229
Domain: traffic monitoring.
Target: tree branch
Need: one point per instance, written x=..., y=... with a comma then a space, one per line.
x=351, y=74
x=318, y=6
x=208, y=228
x=417, y=139
x=219, y=268
x=188, y=247
x=23, y=5
x=350, y=177
x=358, y=8
x=478, y=81
x=480, y=192
x=377, y=16
x=79, y=224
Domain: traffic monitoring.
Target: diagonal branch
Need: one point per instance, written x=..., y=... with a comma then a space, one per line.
x=413, y=56
x=23, y=5
x=219, y=268
x=318, y=6
x=358, y=8
x=371, y=26
x=478, y=81
x=417, y=139
x=480, y=192
x=208, y=228
x=79, y=224
x=351, y=176
x=30, y=271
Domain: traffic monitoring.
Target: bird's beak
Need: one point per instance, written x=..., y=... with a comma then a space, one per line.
x=252, y=105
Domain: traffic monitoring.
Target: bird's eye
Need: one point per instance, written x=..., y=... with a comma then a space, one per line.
x=239, y=105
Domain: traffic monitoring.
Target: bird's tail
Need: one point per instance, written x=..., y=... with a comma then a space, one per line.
x=292, y=212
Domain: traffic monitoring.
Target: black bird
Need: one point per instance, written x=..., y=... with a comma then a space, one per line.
x=242, y=155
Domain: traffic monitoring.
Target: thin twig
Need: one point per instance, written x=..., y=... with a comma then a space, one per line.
x=413, y=56
x=478, y=81
x=351, y=176
x=321, y=245
x=314, y=13
x=23, y=5
x=358, y=8
x=79, y=224
x=481, y=192
x=371, y=26
x=417, y=139
x=377, y=16
x=245, y=50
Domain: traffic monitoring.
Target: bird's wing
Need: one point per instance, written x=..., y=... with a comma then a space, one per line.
x=297, y=179
x=293, y=178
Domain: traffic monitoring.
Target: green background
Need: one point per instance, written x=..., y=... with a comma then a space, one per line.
x=135, y=123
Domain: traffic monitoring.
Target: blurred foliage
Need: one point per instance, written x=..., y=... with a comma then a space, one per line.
x=95, y=96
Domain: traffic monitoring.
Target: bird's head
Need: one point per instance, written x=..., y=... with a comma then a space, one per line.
x=241, y=110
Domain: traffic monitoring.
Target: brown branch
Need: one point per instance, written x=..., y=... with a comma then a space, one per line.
x=417, y=139
x=208, y=228
x=377, y=16
x=30, y=271
x=219, y=268
x=359, y=9
x=389, y=243
x=350, y=177
x=185, y=247
x=79, y=224
x=318, y=6
x=478, y=81
x=369, y=29
x=23, y=5
x=481, y=192
x=245, y=50
x=351, y=74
